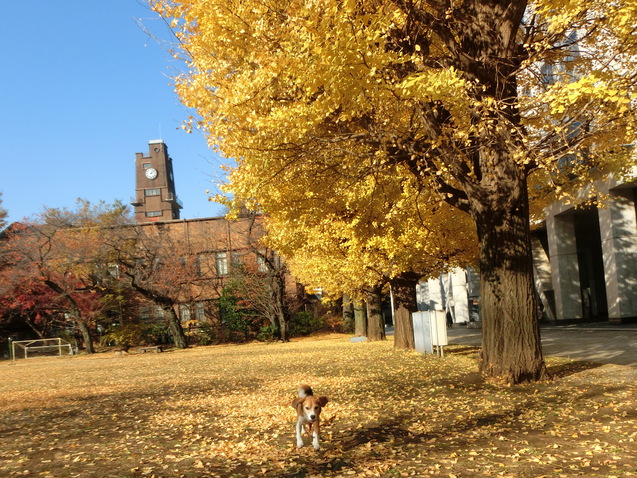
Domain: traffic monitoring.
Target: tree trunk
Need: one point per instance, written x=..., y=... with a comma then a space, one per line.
x=488, y=53
x=348, y=313
x=284, y=329
x=276, y=308
x=75, y=313
x=360, y=319
x=86, y=336
x=273, y=317
x=279, y=300
x=375, y=324
x=176, y=330
x=34, y=328
x=511, y=347
x=403, y=289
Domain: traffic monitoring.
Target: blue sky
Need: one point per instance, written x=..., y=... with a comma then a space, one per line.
x=82, y=89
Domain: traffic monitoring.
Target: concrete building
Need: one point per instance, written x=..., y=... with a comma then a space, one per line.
x=456, y=292
x=586, y=257
x=585, y=264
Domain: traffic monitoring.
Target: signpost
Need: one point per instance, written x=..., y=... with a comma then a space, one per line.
x=430, y=331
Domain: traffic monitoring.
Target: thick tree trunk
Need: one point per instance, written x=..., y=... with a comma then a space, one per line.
x=360, y=319
x=86, y=336
x=269, y=308
x=511, y=350
x=348, y=313
x=488, y=52
x=176, y=330
x=375, y=324
x=172, y=319
x=403, y=289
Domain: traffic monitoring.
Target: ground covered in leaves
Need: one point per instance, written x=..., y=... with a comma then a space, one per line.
x=225, y=411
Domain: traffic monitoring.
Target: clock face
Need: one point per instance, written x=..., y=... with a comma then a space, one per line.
x=151, y=173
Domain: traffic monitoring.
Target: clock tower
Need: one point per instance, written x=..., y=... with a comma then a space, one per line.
x=155, y=196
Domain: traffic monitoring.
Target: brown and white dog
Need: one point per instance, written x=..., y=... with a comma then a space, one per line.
x=308, y=408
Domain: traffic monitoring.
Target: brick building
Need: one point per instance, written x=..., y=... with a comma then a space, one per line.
x=217, y=244
x=189, y=261
x=155, y=193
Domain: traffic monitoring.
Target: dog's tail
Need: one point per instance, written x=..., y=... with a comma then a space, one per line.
x=305, y=391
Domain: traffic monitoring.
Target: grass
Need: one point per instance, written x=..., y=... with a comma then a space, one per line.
x=225, y=411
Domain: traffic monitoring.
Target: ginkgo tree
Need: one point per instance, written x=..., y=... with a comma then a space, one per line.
x=475, y=99
x=372, y=234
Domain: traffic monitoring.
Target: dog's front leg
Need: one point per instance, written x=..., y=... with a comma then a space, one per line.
x=299, y=428
x=315, y=435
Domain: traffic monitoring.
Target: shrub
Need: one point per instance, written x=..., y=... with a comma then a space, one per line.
x=236, y=317
x=157, y=333
x=304, y=323
x=266, y=333
x=207, y=334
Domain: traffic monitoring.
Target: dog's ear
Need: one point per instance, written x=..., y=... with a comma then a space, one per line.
x=323, y=401
x=297, y=401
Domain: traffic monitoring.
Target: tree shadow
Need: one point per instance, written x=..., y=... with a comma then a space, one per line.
x=463, y=350
x=563, y=370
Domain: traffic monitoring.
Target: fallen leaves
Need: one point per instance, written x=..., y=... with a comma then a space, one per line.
x=225, y=411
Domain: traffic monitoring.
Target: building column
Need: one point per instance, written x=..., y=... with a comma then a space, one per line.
x=618, y=226
x=436, y=294
x=564, y=266
x=542, y=276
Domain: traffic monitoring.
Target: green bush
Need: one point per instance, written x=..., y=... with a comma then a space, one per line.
x=236, y=317
x=207, y=335
x=158, y=333
x=304, y=323
x=266, y=334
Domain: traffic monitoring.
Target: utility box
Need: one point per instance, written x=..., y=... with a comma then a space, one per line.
x=430, y=331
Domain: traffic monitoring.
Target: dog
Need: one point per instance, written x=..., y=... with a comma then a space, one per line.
x=308, y=410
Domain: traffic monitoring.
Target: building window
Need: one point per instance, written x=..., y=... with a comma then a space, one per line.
x=194, y=264
x=159, y=313
x=152, y=192
x=200, y=311
x=184, y=313
x=235, y=259
x=146, y=165
x=261, y=262
x=153, y=214
x=144, y=314
x=222, y=263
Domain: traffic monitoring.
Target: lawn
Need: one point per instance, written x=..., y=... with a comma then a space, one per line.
x=226, y=411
